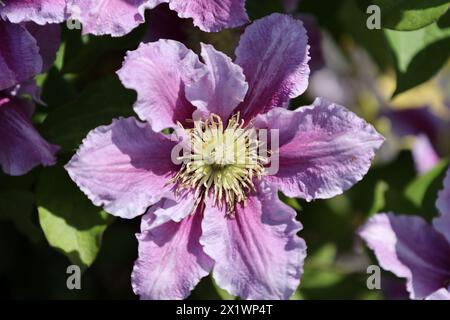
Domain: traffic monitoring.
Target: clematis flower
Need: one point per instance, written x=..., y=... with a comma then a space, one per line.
x=26, y=50
x=119, y=17
x=38, y=11
x=411, y=248
x=212, y=212
x=427, y=129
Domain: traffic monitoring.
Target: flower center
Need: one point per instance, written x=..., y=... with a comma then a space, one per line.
x=222, y=162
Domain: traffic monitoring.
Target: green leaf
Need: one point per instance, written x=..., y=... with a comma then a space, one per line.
x=18, y=206
x=406, y=15
x=419, y=54
x=417, y=198
x=292, y=202
x=390, y=199
x=223, y=294
x=320, y=279
x=209, y=290
x=323, y=257
x=379, y=201
x=102, y=101
x=71, y=223
x=320, y=269
x=423, y=190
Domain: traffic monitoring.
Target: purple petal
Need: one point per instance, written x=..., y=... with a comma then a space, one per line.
x=273, y=52
x=19, y=55
x=411, y=249
x=257, y=253
x=124, y=167
x=441, y=294
x=171, y=260
x=442, y=223
x=425, y=157
x=48, y=41
x=112, y=17
x=159, y=71
x=414, y=121
x=324, y=149
x=212, y=15
x=224, y=87
x=21, y=146
x=38, y=11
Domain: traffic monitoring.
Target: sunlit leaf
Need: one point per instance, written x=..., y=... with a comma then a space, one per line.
x=71, y=223
x=418, y=54
x=423, y=191
x=408, y=15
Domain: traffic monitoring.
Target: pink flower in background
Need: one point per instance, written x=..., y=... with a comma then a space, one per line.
x=26, y=50
x=119, y=17
x=217, y=214
x=427, y=129
x=411, y=248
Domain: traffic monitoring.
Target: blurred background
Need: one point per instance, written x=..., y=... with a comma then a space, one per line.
x=396, y=77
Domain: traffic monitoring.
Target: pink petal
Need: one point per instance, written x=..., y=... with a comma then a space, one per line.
x=224, y=87
x=19, y=55
x=441, y=294
x=324, y=149
x=159, y=72
x=442, y=223
x=425, y=157
x=257, y=254
x=21, y=146
x=174, y=209
x=212, y=15
x=411, y=249
x=171, y=260
x=113, y=17
x=124, y=167
x=38, y=11
x=273, y=52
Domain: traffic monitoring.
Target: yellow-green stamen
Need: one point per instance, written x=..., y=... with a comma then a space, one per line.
x=222, y=162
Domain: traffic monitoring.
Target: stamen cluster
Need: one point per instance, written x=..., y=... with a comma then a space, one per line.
x=221, y=161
